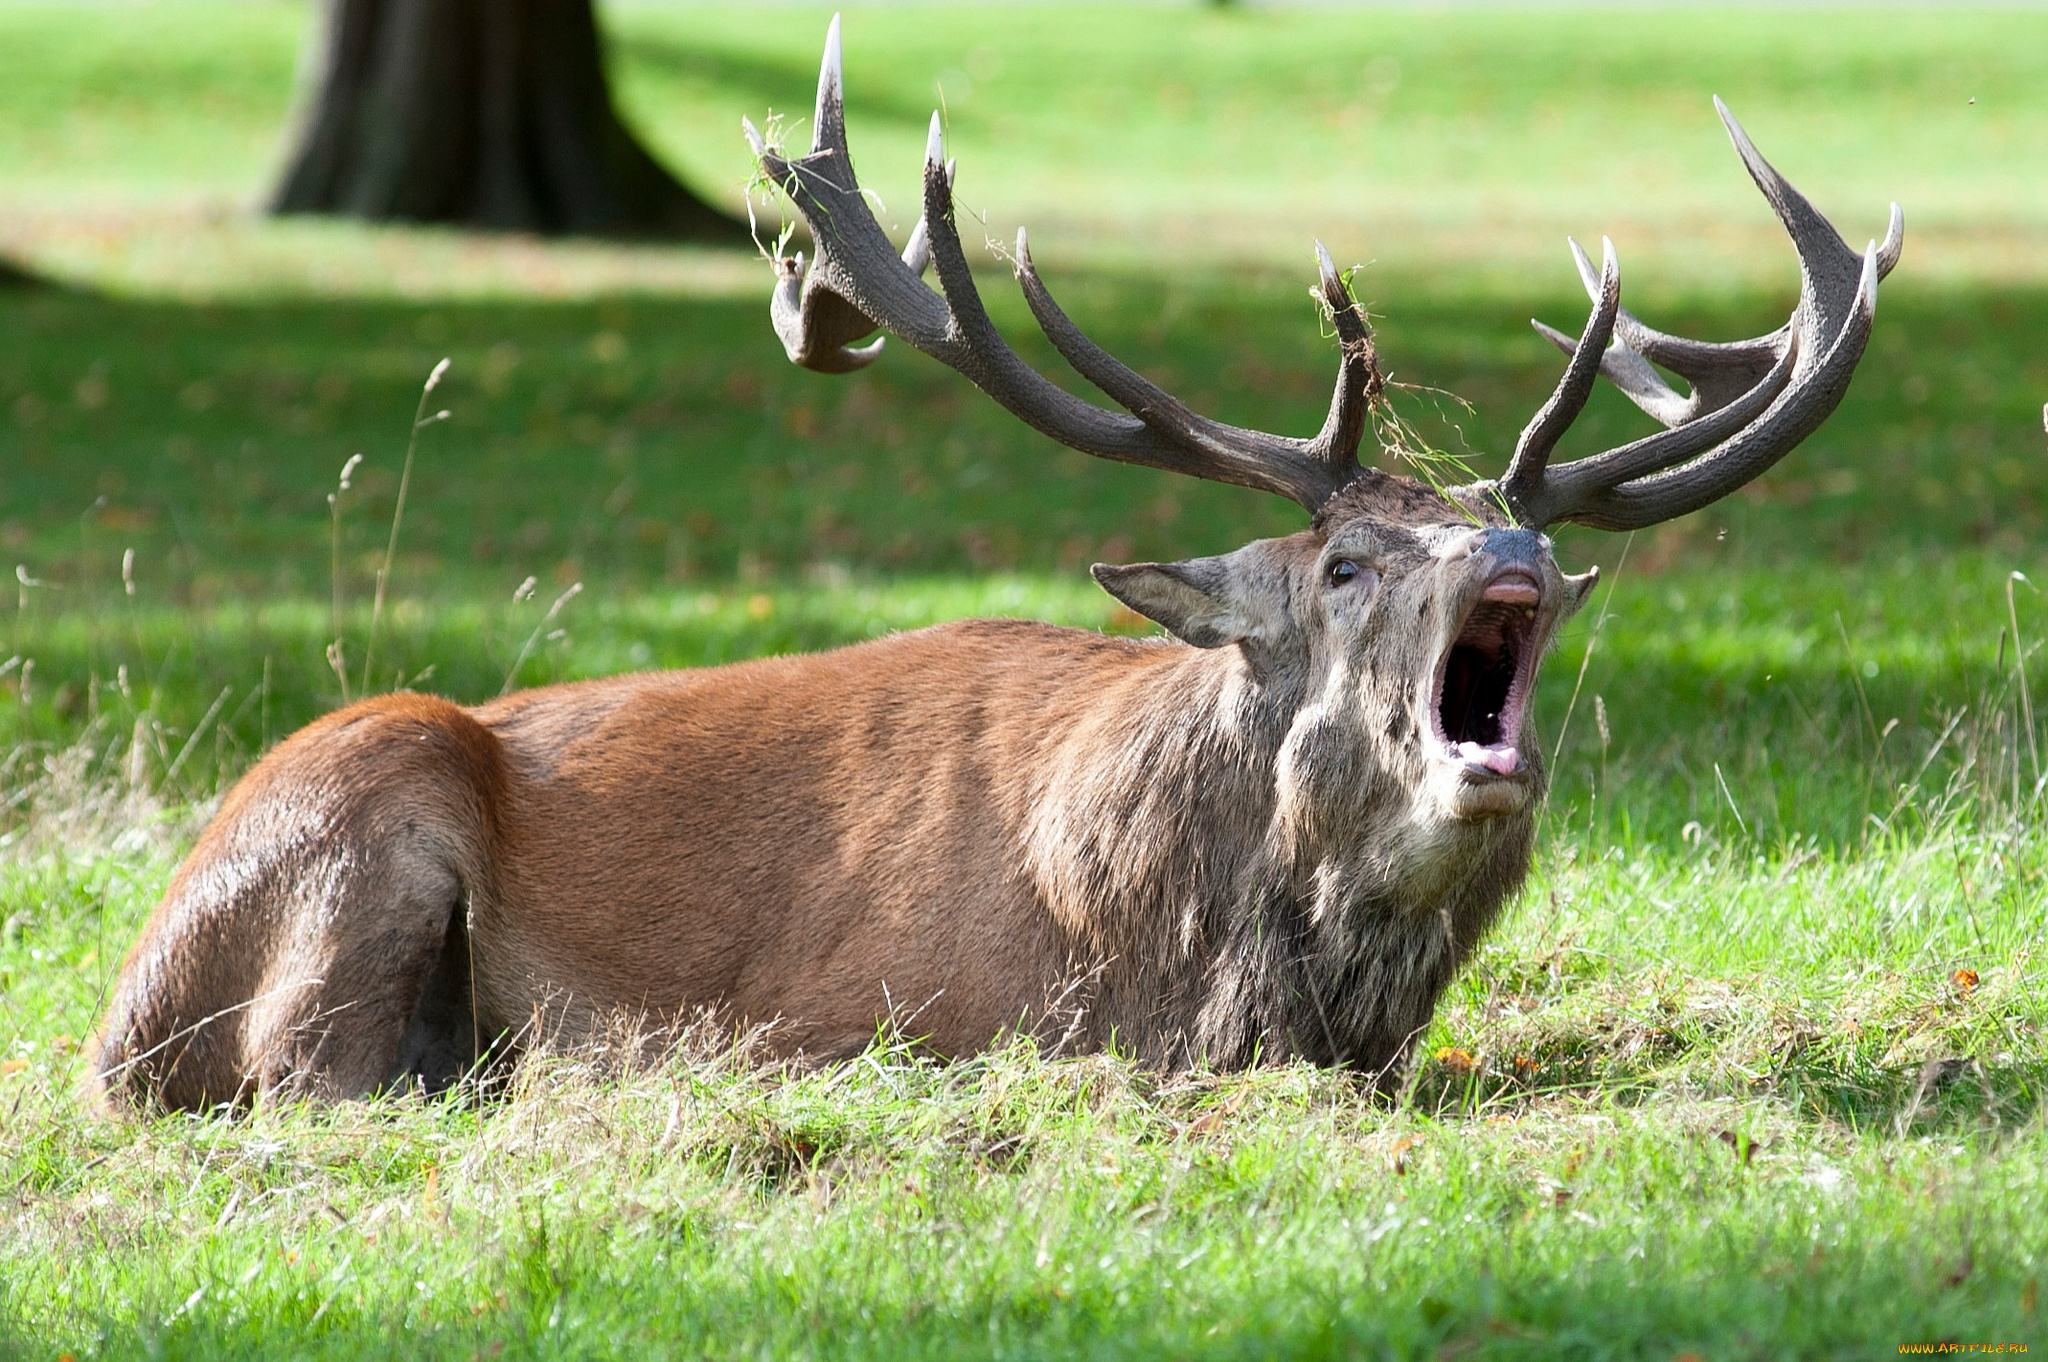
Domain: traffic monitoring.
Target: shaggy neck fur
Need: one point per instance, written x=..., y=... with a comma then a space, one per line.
x=1246, y=874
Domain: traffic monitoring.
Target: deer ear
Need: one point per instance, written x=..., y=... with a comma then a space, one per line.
x=1582, y=586
x=1204, y=601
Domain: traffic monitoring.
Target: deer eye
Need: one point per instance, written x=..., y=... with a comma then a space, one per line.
x=1342, y=571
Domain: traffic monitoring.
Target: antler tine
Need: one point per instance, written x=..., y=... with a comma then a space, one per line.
x=856, y=285
x=1751, y=401
x=1358, y=375
x=1719, y=372
x=1166, y=435
x=1793, y=415
x=818, y=324
x=1583, y=479
x=1153, y=405
x=821, y=308
x=972, y=345
x=1306, y=471
x=828, y=123
x=1525, y=475
x=1627, y=370
x=1824, y=258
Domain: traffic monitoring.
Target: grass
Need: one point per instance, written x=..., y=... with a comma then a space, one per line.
x=1684, y=1101
x=1754, y=1070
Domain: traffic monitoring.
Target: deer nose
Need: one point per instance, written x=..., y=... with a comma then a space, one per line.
x=1513, y=549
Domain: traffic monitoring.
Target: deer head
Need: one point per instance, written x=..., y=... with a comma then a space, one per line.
x=1426, y=609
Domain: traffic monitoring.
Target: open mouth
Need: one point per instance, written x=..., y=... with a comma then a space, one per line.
x=1483, y=681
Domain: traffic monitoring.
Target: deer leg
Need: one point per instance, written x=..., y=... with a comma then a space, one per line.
x=366, y=993
x=315, y=943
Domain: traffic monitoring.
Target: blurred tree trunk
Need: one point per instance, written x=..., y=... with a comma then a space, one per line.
x=488, y=113
x=18, y=276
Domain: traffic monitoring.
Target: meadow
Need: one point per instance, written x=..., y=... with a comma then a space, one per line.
x=1754, y=1069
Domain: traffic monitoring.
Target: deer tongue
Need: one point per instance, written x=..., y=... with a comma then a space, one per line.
x=1500, y=758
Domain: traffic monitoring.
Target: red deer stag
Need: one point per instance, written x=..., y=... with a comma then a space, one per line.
x=1275, y=837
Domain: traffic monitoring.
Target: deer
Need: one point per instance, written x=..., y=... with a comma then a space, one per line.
x=1272, y=834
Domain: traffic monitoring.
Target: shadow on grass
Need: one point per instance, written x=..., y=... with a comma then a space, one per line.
x=1623, y=1059
x=648, y=439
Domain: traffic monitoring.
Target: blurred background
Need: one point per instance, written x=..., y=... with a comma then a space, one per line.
x=184, y=372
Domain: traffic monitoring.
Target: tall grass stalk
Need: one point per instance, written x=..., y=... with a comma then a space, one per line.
x=336, y=658
x=2019, y=662
x=533, y=639
x=1585, y=661
x=420, y=420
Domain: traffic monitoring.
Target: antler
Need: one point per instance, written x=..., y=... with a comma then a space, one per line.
x=858, y=284
x=1751, y=401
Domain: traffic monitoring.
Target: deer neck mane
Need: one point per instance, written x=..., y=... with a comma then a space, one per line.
x=1225, y=846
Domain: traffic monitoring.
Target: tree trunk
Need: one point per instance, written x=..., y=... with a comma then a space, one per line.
x=488, y=113
x=13, y=276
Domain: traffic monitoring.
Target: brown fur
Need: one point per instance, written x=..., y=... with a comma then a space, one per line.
x=1231, y=852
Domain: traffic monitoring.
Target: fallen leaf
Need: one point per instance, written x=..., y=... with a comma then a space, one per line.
x=1211, y=1121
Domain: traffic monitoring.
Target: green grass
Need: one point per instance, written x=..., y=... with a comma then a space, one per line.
x=1683, y=1101
x=1754, y=1070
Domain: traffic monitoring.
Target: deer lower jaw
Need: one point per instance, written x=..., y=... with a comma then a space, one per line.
x=1470, y=793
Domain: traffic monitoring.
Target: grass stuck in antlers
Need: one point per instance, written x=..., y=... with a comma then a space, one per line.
x=1753, y=1069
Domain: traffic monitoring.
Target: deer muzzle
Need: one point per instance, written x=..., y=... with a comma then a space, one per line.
x=1483, y=681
